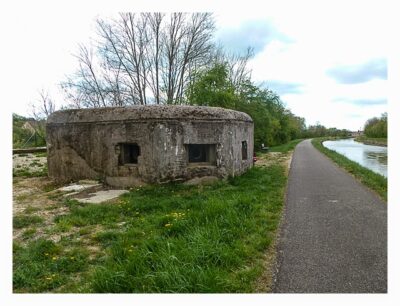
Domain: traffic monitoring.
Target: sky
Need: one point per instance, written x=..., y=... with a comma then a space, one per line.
x=328, y=65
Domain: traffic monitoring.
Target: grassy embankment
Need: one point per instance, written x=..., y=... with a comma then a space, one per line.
x=286, y=147
x=168, y=238
x=372, y=141
x=376, y=182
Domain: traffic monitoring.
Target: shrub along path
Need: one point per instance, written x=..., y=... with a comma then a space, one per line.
x=334, y=235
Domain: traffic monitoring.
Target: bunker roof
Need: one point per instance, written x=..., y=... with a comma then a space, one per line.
x=146, y=112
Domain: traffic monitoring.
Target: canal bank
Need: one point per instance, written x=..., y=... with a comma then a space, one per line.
x=369, y=156
x=374, y=181
x=372, y=141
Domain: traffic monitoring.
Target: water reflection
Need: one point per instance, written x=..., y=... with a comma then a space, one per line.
x=371, y=157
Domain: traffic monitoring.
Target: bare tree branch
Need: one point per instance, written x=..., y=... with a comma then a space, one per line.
x=140, y=59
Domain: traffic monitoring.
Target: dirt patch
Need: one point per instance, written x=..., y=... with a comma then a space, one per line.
x=31, y=197
x=273, y=158
x=42, y=197
x=39, y=197
x=30, y=192
x=101, y=196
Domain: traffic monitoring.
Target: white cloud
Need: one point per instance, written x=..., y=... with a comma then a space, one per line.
x=328, y=36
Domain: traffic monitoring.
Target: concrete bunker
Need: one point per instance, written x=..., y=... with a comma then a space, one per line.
x=127, y=146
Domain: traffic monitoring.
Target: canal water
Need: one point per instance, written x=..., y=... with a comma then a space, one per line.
x=371, y=157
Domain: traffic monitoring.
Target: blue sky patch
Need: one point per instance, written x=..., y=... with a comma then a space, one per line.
x=374, y=69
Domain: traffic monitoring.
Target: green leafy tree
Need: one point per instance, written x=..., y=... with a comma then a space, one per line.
x=213, y=88
x=376, y=127
x=273, y=124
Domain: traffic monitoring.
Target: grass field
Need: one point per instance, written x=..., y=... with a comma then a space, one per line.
x=376, y=182
x=164, y=238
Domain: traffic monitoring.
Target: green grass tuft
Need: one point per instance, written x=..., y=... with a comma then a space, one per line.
x=29, y=233
x=21, y=221
x=26, y=172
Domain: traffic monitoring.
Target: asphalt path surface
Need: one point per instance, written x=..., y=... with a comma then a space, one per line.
x=334, y=233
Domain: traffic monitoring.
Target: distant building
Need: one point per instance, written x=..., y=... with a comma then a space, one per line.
x=356, y=134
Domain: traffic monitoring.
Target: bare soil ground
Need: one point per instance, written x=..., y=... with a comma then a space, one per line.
x=29, y=160
x=273, y=158
x=38, y=197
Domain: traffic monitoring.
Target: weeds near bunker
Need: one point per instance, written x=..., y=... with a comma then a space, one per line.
x=215, y=240
x=29, y=233
x=21, y=221
x=26, y=172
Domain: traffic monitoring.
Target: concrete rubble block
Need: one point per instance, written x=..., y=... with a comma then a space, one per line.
x=77, y=187
x=101, y=196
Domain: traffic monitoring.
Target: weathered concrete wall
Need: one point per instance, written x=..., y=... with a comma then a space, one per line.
x=87, y=143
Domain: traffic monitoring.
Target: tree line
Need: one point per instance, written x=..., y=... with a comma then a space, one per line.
x=156, y=58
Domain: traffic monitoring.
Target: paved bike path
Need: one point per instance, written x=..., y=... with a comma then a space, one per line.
x=334, y=232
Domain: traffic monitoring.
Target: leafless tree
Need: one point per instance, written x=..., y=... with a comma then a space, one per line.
x=86, y=87
x=237, y=64
x=140, y=59
x=43, y=107
x=238, y=68
x=154, y=53
x=196, y=49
